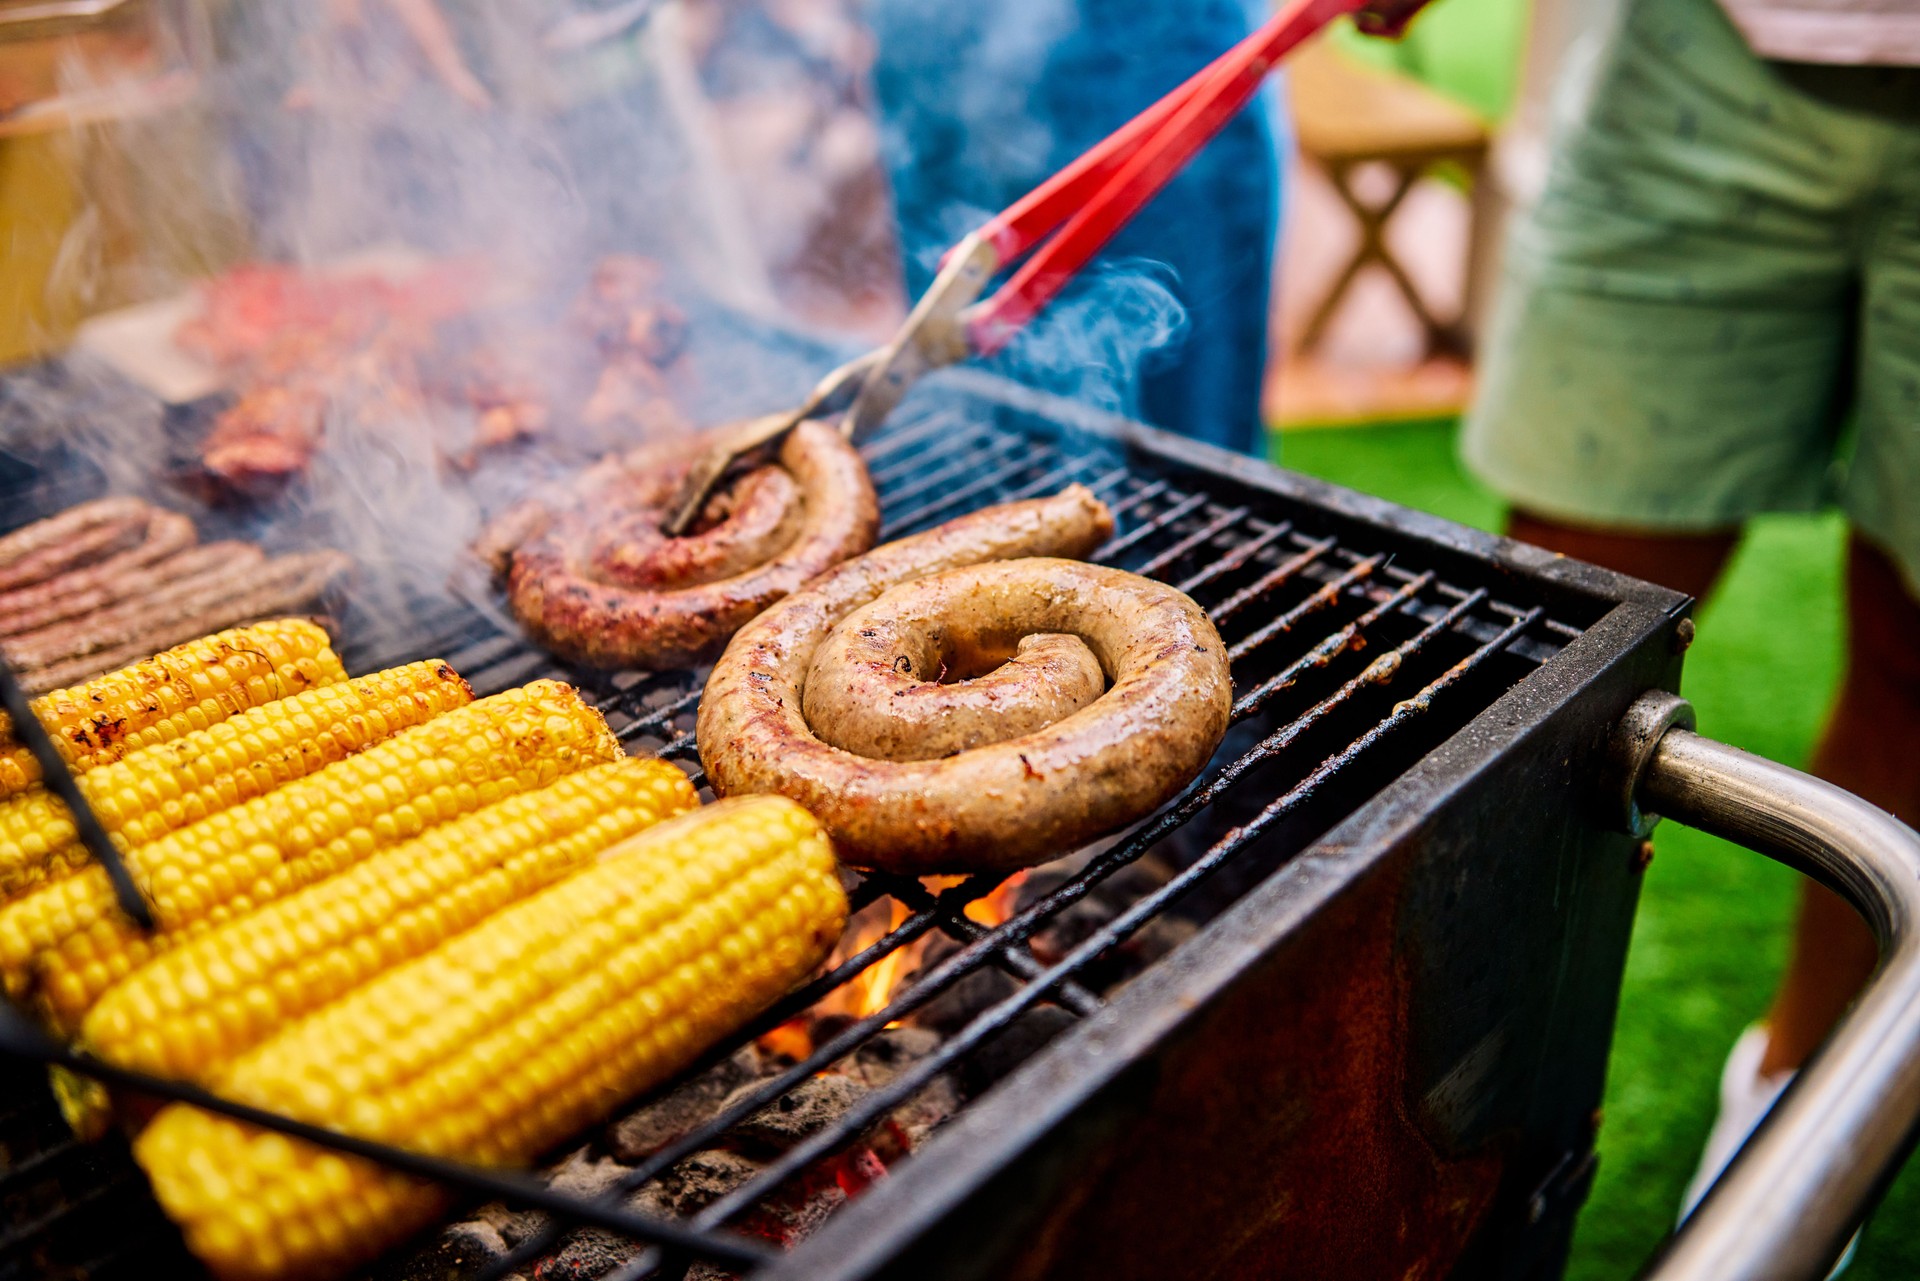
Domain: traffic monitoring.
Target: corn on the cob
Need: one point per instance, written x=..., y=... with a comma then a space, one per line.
x=158, y=789
x=183, y=689
x=66, y=943
x=195, y=1008
x=504, y=1040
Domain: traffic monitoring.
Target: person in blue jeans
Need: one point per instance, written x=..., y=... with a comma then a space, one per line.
x=982, y=100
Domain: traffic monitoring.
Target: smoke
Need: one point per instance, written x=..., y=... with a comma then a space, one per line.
x=982, y=102
x=1094, y=342
x=525, y=140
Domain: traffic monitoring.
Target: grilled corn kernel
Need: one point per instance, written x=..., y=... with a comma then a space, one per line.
x=504, y=1040
x=201, y=1004
x=66, y=943
x=158, y=789
x=174, y=693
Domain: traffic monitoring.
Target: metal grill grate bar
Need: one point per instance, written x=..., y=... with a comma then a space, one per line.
x=1267, y=581
x=875, y=1106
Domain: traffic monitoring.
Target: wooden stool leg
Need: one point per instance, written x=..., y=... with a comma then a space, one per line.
x=1340, y=175
x=1372, y=221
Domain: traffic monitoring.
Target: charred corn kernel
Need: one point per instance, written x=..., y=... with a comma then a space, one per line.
x=158, y=789
x=198, y=1006
x=65, y=943
x=504, y=1040
x=174, y=693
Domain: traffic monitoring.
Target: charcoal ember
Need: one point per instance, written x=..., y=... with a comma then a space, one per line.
x=1013, y=1045
x=1104, y=902
x=586, y=1254
x=956, y=1007
x=885, y=1057
x=513, y=1226
x=460, y=1250
x=805, y=1110
x=683, y=1191
x=695, y=1183
x=889, y=1053
x=641, y=1133
x=582, y=1174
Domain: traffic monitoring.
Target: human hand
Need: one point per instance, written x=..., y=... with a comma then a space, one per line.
x=1387, y=17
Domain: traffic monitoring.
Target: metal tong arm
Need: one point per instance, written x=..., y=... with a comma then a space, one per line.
x=737, y=440
x=58, y=779
x=1784, y=1208
x=1097, y=194
x=1087, y=202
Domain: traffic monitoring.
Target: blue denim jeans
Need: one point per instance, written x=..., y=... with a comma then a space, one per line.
x=981, y=100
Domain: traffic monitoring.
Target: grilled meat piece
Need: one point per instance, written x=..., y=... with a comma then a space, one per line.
x=101, y=593
x=76, y=537
x=223, y=597
x=995, y=806
x=593, y=579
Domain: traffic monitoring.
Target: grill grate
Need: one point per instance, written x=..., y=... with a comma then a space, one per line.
x=1349, y=664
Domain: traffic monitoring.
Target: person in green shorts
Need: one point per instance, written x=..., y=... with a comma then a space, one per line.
x=1722, y=273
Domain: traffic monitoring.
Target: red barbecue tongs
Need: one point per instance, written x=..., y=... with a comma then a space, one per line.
x=1080, y=208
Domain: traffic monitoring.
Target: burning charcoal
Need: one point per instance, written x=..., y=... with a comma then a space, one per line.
x=588, y=1253
x=641, y=1133
x=696, y=1183
x=954, y=1008
x=514, y=1226
x=461, y=1250
x=585, y=1176
x=1013, y=1045
x=1087, y=917
x=890, y=1053
x=806, y=1109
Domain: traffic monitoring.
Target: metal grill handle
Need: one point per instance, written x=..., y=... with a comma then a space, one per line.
x=1784, y=1208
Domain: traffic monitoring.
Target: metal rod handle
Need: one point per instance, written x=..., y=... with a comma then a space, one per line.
x=1785, y=1206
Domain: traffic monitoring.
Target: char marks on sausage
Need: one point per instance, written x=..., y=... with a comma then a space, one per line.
x=593, y=578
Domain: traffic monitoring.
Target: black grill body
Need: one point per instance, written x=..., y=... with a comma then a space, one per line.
x=1387, y=1059
x=1380, y=1055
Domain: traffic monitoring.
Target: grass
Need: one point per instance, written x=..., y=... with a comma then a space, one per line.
x=1710, y=934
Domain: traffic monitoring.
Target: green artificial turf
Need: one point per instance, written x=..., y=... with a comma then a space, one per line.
x=1711, y=930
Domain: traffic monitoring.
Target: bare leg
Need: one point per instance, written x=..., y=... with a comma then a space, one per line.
x=1689, y=563
x=1871, y=747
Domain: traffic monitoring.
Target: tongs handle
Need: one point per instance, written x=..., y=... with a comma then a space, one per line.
x=1086, y=202
x=1092, y=198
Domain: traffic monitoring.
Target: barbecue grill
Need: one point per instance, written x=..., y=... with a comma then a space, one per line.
x=1408, y=878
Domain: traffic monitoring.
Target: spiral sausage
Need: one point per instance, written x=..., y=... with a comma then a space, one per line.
x=607, y=588
x=832, y=697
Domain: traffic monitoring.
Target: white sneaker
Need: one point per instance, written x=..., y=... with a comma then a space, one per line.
x=1745, y=1099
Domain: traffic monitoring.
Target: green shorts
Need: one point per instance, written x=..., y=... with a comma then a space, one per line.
x=1723, y=270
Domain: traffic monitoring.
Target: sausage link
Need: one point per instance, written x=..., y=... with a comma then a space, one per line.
x=607, y=589
x=1008, y=803
x=887, y=686
x=76, y=536
x=241, y=591
x=80, y=590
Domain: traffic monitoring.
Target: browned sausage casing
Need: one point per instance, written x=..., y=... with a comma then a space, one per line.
x=77, y=536
x=1000, y=805
x=600, y=584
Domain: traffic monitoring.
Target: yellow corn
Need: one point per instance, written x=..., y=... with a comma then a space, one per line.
x=198, y=1006
x=66, y=943
x=505, y=1040
x=174, y=693
x=158, y=789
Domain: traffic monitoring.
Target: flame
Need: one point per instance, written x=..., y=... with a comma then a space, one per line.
x=997, y=906
x=871, y=991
